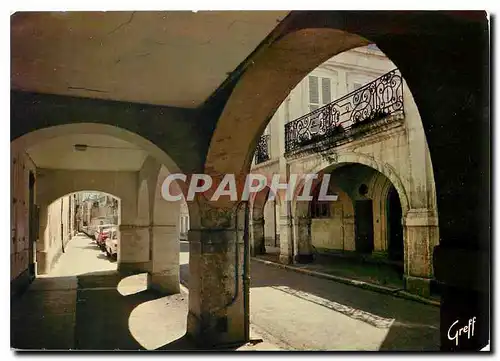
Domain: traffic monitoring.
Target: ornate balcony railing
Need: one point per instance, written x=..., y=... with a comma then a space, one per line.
x=262, y=151
x=373, y=101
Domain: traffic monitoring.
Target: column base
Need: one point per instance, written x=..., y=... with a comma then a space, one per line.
x=166, y=283
x=417, y=285
x=215, y=332
x=41, y=263
x=285, y=259
x=380, y=254
x=258, y=250
x=304, y=258
x=261, y=248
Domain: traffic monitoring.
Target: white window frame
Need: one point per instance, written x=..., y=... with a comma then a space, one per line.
x=321, y=74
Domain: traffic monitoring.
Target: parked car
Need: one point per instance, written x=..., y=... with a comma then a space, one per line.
x=98, y=228
x=112, y=243
x=103, y=235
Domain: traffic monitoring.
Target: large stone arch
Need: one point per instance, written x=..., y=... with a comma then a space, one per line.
x=27, y=140
x=53, y=184
x=257, y=204
x=155, y=124
x=232, y=151
x=420, y=227
x=343, y=158
x=135, y=189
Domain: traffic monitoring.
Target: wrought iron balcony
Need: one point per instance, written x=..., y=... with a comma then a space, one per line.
x=373, y=101
x=262, y=151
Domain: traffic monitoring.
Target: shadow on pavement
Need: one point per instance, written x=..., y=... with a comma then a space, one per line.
x=86, y=312
x=415, y=326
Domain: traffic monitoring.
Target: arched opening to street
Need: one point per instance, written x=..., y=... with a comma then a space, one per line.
x=350, y=236
x=394, y=226
x=263, y=225
x=354, y=119
x=102, y=234
x=79, y=234
x=214, y=126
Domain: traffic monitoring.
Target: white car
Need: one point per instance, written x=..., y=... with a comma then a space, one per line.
x=112, y=243
x=99, y=228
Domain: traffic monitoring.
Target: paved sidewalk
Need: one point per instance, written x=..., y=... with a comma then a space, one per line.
x=85, y=304
x=298, y=312
x=383, y=278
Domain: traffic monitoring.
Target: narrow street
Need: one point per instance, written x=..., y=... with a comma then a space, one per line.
x=310, y=313
x=302, y=312
x=85, y=304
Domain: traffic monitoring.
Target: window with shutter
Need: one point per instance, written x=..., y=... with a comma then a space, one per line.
x=313, y=107
x=319, y=97
x=313, y=90
x=326, y=90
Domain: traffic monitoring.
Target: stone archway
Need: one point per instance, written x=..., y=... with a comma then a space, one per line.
x=419, y=229
x=27, y=140
x=48, y=252
x=263, y=224
x=136, y=195
x=364, y=159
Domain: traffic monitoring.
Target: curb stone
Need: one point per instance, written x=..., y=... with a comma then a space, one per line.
x=397, y=292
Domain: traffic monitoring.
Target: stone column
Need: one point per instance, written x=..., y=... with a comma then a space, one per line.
x=421, y=236
x=42, y=266
x=133, y=248
x=302, y=234
x=163, y=273
x=219, y=280
x=286, y=235
x=257, y=242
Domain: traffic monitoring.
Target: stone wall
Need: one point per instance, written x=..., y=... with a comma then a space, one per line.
x=21, y=165
x=56, y=235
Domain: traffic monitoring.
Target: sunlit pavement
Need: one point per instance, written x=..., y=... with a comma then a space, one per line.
x=84, y=304
x=303, y=312
x=82, y=255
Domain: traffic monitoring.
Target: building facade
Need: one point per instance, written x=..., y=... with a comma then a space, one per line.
x=354, y=119
x=22, y=213
x=58, y=231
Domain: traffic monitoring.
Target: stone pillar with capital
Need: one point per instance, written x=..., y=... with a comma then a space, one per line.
x=163, y=273
x=133, y=248
x=286, y=234
x=421, y=236
x=302, y=233
x=257, y=241
x=219, y=276
x=42, y=243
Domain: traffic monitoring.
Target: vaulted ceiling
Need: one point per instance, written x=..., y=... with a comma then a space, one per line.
x=87, y=152
x=174, y=58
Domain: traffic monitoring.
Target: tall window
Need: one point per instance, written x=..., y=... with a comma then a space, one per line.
x=320, y=92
